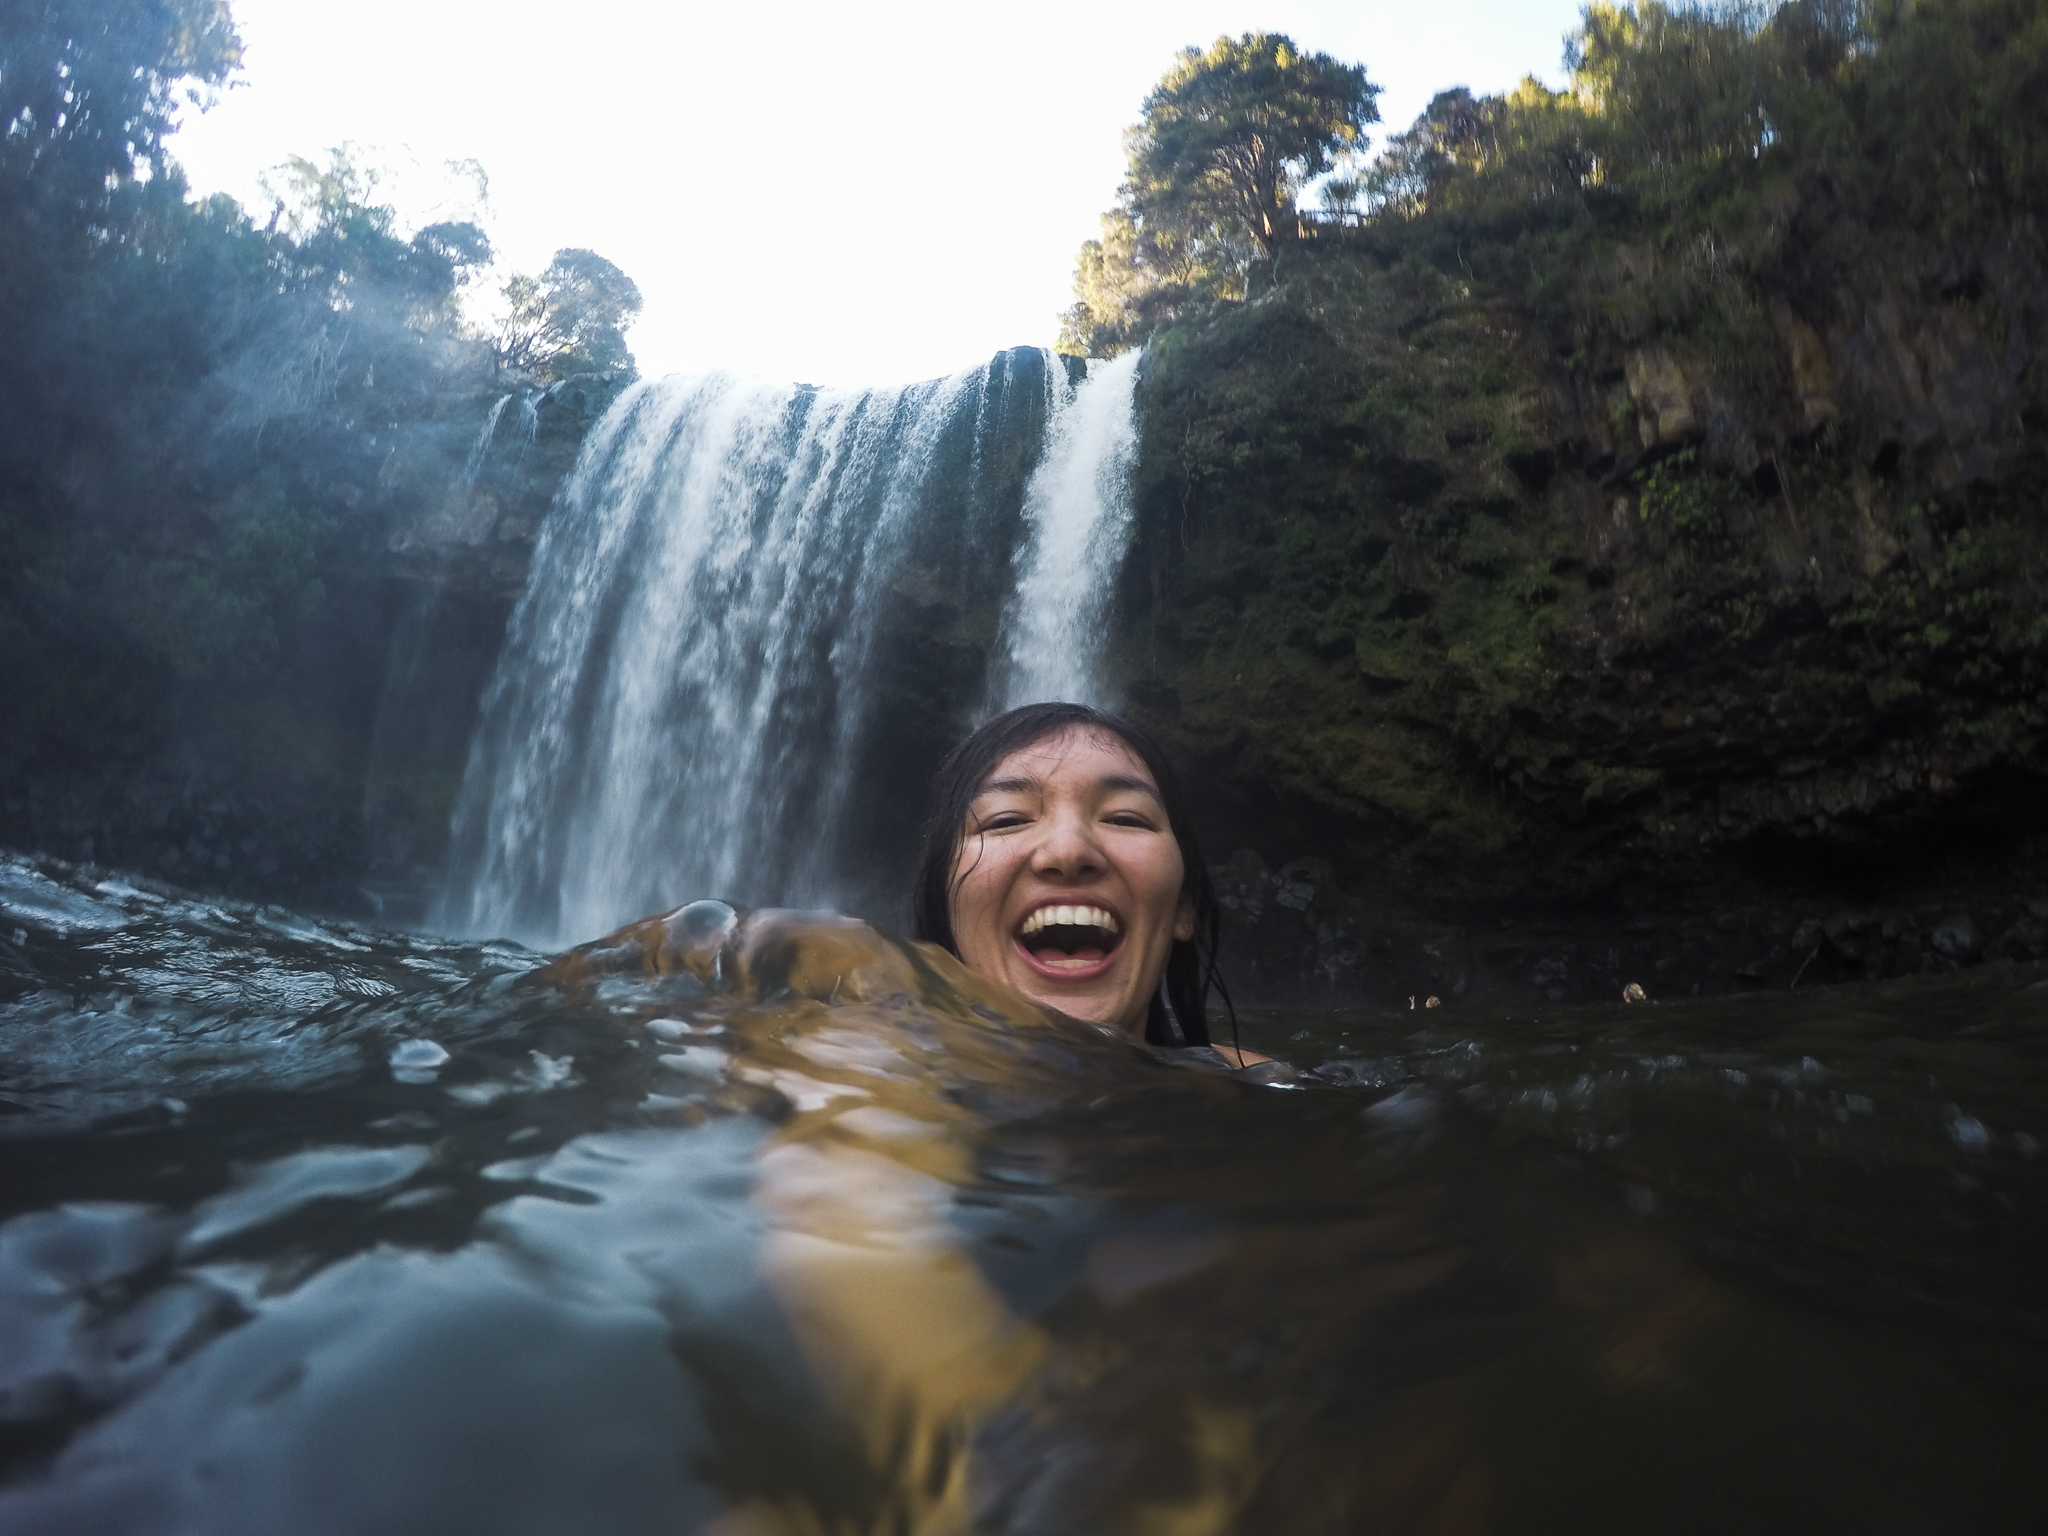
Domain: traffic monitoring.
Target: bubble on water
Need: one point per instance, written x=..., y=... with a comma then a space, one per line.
x=416, y=1061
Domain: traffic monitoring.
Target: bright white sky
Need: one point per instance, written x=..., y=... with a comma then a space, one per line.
x=837, y=193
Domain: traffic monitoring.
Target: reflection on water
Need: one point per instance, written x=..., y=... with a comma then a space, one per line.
x=771, y=1224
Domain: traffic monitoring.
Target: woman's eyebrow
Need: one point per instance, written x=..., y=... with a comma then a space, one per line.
x=1031, y=786
x=1128, y=781
x=1011, y=786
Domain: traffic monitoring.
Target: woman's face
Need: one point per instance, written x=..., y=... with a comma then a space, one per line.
x=1068, y=881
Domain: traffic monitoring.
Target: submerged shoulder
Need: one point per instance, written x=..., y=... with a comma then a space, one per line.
x=1238, y=1057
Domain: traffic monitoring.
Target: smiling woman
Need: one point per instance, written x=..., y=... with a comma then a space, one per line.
x=1059, y=860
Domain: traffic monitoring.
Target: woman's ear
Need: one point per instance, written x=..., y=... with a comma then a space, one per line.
x=1184, y=918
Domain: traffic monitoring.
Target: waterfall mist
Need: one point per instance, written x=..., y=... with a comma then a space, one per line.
x=755, y=616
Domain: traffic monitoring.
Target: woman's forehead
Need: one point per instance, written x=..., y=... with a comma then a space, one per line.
x=1074, y=753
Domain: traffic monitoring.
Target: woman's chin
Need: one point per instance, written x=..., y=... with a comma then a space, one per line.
x=1091, y=993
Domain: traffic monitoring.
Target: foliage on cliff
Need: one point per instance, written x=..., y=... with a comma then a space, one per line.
x=1650, y=485
x=206, y=423
x=1216, y=162
x=571, y=319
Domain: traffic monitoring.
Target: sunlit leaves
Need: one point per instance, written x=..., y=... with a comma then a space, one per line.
x=1229, y=135
x=1227, y=139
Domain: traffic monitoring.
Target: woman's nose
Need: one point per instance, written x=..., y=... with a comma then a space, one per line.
x=1068, y=849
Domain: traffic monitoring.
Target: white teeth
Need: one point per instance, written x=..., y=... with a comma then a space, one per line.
x=1069, y=917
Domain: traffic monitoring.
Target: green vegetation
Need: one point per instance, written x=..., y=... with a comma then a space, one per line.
x=1226, y=141
x=570, y=319
x=1613, y=477
x=207, y=422
x=212, y=430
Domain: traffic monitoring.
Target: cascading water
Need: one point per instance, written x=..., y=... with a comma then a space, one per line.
x=1077, y=514
x=474, y=464
x=749, y=598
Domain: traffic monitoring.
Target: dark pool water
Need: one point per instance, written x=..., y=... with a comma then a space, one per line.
x=763, y=1223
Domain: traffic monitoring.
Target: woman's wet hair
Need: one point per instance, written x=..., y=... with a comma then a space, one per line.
x=1190, y=964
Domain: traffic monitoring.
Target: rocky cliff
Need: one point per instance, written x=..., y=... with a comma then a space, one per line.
x=1672, y=614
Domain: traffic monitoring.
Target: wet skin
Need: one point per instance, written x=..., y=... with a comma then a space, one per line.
x=1071, y=821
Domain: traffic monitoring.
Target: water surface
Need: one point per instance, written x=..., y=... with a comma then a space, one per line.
x=771, y=1223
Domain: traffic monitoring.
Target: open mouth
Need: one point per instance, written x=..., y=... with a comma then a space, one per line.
x=1070, y=939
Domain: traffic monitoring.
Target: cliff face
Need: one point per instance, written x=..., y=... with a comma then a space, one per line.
x=324, y=776
x=1689, y=643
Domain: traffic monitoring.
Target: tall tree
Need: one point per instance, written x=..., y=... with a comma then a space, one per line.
x=570, y=319
x=1229, y=135
x=1227, y=140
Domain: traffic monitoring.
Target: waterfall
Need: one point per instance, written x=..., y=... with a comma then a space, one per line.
x=755, y=616
x=1077, y=515
x=758, y=613
x=474, y=464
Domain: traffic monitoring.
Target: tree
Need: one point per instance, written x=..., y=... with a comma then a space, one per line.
x=1137, y=277
x=340, y=239
x=570, y=319
x=1229, y=136
x=1226, y=142
x=90, y=88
